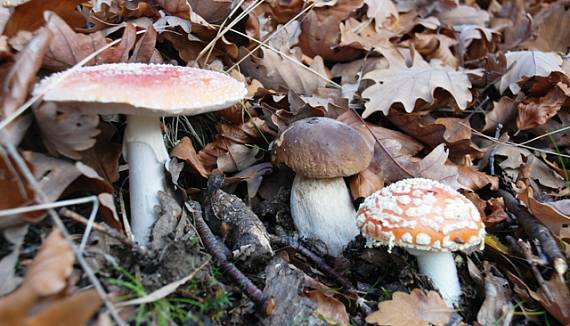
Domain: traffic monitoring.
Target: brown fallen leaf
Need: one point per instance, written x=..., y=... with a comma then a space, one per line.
x=553, y=29
x=415, y=309
x=68, y=47
x=179, y=8
x=497, y=306
x=214, y=12
x=437, y=46
x=533, y=112
x=185, y=151
x=553, y=214
x=22, y=75
x=145, y=47
x=320, y=31
x=502, y=112
x=553, y=295
x=66, y=130
x=463, y=15
x=29, y=16
x=454, y=132
x=48, y=275
x=527, y=63
x=473, y=179
x=406, y=85
x=381, y=11
x=329, y=308
x=365, y=184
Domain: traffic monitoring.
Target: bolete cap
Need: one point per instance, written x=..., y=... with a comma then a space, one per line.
x=138, y=88
x=421, y=214
x=321, y=148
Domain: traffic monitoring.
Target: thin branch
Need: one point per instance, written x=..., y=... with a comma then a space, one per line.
x=536, y=230
x=216, y=249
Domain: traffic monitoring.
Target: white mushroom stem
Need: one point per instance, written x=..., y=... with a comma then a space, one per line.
x=146, y=154
x=440, y=268
x=322, y=209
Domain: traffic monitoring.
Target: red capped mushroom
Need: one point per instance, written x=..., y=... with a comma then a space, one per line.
x=430, y=220
x=144, y=92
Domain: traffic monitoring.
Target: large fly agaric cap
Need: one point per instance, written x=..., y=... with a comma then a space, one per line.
x=138, y=88
x=421, y=214
x=321, y=148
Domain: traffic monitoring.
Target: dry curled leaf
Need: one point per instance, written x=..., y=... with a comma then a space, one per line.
x=21, y=77
x=527, y=63
x=66, y=130
x=328, y=307
x=533, y=112
x=320, y=35
x=184, y=150
x=415, y=309
x=29, y=16
x=48, y=275
x=406, y=85
x=553, y=25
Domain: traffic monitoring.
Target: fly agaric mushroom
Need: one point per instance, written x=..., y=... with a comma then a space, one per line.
x=430, y=220
x=144, y=92
x=322, y=151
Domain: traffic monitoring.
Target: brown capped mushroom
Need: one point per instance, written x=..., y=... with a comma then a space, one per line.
x=430, y=220
x=322, y=151
x=144, y=92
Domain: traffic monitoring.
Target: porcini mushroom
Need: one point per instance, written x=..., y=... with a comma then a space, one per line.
x=321, y=151
x=144, y=92
x=430, y=220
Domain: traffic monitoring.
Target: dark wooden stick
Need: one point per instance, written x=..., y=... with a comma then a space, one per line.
x=536, y=230
x=322, y=266
x=218, y=252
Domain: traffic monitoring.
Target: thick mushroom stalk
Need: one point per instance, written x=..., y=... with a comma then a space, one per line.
x=322, y=151
x=440, y=268
x=146, y=154
x=322, y=209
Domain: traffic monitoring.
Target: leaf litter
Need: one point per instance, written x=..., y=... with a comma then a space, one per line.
x=472, y=94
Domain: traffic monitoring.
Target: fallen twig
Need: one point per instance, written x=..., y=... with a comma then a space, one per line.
x=218, y=252
x=536, y=230
x=324, y=267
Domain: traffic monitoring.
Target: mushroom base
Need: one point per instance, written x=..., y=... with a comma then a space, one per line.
x=440, y=268
x=146, y=154
x=322, y=209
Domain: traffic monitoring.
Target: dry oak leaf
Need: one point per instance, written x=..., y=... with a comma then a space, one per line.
x=502, y=112
x=533, y=112
x=527, y=63
x=553, y=214
x=329, y=308
x=553, y=24
x=28, y=16
x=415, y=309
x=463, y=14
x=66, y=130
x=22, y=75
x=406, y=85
x=68, y=47
x=281, y=73
x=381, y=11
x=185, y=151
x=48, y=275
x=320, y=35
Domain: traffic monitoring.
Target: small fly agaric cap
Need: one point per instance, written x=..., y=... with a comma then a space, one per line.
x=421, y=214
x=149, y=89
x=322, y=148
